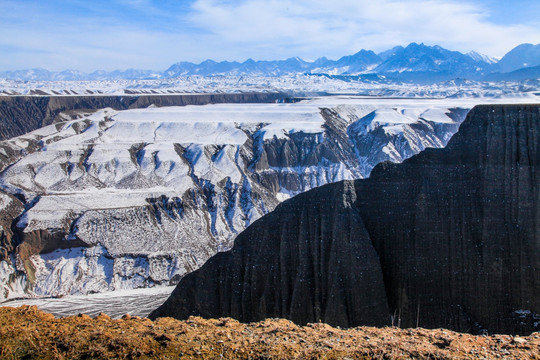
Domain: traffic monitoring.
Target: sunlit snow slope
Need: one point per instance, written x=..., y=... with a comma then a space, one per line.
x=138, y=198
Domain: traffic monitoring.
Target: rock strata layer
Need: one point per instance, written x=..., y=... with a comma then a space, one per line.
x=450, y=238
x=22, y=114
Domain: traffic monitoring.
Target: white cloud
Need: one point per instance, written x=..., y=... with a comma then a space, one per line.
x=148, y=34
x=317, y=27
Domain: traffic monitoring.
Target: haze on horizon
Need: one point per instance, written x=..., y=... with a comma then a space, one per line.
x=152, y=34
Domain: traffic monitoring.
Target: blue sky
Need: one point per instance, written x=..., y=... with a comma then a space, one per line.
x=150, y=34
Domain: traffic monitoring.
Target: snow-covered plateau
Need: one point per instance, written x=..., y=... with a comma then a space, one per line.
x=294, y=84
x=115, y=200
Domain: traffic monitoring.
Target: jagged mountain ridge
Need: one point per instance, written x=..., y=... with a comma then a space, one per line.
x=138, y=198
x=415, y=62
x=435, y=59
x=448, y=238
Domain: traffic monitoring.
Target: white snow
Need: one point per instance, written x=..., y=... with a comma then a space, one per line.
x=216, y=123
x=5, y=201
x=300, y=84
x=155, y=192
x=136, y=302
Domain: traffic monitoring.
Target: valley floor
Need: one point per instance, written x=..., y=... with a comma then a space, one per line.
x=29, y=333
x=137, y=302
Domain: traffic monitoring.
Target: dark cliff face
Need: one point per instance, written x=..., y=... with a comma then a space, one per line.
x=11, y=208
x=22, y=114
x=309, y=260
x=450, y=238
x=457, y=230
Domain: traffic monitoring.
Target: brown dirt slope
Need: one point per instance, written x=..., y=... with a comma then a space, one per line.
x=29, y=333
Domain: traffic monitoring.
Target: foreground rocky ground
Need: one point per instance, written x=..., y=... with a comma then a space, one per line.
x=29, y=333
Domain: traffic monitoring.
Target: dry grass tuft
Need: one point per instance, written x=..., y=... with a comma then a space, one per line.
x=28, y=333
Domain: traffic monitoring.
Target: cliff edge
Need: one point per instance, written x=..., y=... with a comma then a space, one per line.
x=450, y=238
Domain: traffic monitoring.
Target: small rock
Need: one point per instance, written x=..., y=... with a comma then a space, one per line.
x=84, y=317
x=103, y=317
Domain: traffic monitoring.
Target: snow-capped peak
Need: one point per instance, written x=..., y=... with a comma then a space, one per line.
x=476, y=56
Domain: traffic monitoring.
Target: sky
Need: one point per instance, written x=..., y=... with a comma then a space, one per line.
x=89, y=35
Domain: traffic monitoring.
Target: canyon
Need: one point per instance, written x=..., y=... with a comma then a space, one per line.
x=109, y=199
x=448, y=238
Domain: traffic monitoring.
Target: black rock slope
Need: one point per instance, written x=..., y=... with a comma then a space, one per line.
x=450, y=238
x=457, y=230
x=309, y=260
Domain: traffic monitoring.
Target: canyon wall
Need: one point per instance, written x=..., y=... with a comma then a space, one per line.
x=449, y=238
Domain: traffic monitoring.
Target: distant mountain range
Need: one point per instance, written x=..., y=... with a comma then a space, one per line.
x=417, y=63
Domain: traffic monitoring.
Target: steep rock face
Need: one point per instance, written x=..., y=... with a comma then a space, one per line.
x=10, y=207
x=457, y=229
x=309, y=260
x=454, y=232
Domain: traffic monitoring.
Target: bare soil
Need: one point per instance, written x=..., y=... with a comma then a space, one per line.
x=29, y=333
